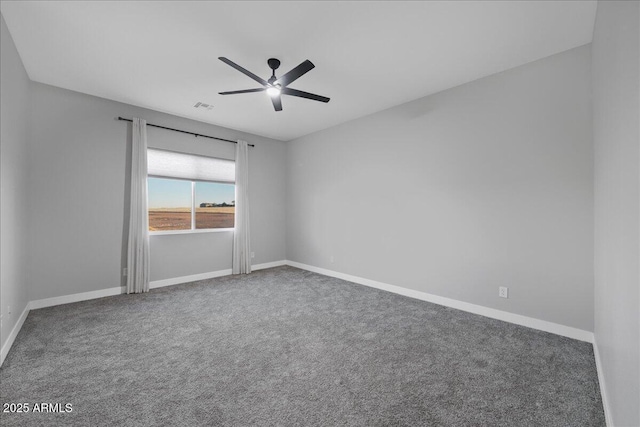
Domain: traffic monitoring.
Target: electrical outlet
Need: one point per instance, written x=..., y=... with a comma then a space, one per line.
x=253, y=254
x=124, y=271
x=331, y=259
x=503, y=292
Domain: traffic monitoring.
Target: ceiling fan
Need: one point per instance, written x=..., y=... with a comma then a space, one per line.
x=276, y=87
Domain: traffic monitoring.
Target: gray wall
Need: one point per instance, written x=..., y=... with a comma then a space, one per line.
x=484, y=185
x=14, y=85
x=616, y=135
x=78, y=160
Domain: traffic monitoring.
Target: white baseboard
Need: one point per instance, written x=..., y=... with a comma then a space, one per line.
x=210, y=275
x=14, y=333
x=603, y=388
x=82, y=296
x=268, y=265
x=186, y=279
x=542, y=325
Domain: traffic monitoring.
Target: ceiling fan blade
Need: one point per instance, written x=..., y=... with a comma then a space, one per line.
x=277, y=102
x=302, y=94
x=296, y=73
x=243, y=70
x=232, y=92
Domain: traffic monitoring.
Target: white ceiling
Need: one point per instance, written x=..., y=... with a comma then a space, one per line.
x=369, y=56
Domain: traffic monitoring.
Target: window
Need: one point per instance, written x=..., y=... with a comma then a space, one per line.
x=215, y=205
x=170, y=204
x=188, y=192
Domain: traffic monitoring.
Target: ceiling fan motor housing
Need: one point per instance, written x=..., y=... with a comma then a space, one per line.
x=273, y=63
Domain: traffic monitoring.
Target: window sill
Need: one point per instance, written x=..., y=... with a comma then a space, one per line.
x=207, y=230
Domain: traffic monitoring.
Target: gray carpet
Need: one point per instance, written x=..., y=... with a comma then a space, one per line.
x=286, y=347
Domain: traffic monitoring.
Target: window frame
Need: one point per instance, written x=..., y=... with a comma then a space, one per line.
x=193, y=229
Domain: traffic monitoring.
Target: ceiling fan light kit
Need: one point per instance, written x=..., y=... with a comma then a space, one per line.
x=276, y=87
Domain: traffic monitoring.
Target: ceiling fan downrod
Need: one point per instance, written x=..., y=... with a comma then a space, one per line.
x=273, y=64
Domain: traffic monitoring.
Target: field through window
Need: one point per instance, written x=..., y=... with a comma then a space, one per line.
x=187, y=205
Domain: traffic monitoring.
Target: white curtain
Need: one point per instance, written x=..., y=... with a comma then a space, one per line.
x=241, y=239
x=138, y=249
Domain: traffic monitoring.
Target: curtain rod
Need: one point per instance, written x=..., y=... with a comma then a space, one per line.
x=184, y=131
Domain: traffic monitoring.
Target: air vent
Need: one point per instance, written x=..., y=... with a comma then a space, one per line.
x=203, y=106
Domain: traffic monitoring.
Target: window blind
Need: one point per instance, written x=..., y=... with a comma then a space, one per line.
x=171, y=164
